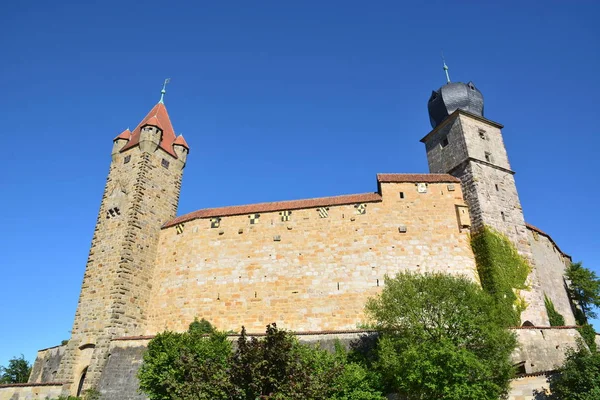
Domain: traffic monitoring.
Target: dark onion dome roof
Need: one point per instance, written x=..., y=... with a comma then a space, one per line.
x=453, y=96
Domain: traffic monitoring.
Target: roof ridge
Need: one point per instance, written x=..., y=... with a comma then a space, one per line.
x=273, y=206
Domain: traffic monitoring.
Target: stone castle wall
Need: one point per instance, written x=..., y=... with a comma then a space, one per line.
x=47, y=362
x=308, y=273
x=551, y=265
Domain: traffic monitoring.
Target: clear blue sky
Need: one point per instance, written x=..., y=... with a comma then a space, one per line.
x=278, y=100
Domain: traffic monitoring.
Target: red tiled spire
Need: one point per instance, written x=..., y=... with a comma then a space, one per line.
x=126, y=134
x=181, y=141
x=158, y=117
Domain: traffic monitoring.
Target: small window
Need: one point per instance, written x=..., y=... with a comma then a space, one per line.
x=497, y=188
x=503, y=216
x=401, y=195
x=482, y=134
x=444, y=142
x=488, y=157
x=165, y=163
x=127, y=159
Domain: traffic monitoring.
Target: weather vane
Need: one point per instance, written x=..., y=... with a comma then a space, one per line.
x=164, y=90
x=445, y=68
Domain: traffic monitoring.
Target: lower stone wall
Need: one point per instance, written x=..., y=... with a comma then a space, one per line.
x=543, y=348
x=540, y=349
x=119, y=377
x=529, y=387
x=46, y=365
x=30, y=391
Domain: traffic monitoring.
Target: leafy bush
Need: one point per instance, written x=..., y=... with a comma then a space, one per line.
x=186, y=365
x=556, y=318
x=579, y=377
x=588, y=334
x=441, y=338
x=196, y=365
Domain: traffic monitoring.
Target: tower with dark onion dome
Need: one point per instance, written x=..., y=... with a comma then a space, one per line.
x=470, y=147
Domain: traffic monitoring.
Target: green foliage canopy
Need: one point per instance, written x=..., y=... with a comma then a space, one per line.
x=166, y=374
x=579, y=377
x=442, y=338
x=503, y=271
x=17, y=371
x=196, y=366
x=584, y=289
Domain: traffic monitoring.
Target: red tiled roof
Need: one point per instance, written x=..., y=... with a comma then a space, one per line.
x=181, y=141
x=416, y=178
x=541, y=232
x=158, y=117
x=126, y=134
x=276, y=206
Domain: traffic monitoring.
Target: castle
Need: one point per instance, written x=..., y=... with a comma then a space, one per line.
x=308, y=265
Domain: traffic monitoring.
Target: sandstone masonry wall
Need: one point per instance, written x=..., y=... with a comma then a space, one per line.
x=534, y=387
x=30, y=391
x=141, y=193
x=551, y=264
x=47, y=362
x=308, y=273
x=543, y=348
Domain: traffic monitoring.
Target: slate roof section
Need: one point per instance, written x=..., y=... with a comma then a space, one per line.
x=276, y=206
x=158, y=117
x=416, y=178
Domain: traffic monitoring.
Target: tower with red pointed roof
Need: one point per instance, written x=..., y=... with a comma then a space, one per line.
x=141, y=194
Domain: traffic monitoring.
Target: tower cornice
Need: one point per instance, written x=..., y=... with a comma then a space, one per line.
x=455, y=115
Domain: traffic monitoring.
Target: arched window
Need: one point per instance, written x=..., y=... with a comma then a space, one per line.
x=81, y=381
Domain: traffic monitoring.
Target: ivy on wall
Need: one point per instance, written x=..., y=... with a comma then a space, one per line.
x=502, y=271
x=556, y=318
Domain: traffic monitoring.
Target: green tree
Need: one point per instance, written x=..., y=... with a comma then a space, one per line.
x=195, y=366
x=18, y=371
x=441, y=338
x=279, y=367
x=584, y=289
x=579, y=377
x=189, y=365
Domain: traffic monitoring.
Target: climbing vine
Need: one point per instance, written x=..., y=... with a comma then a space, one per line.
x=556, y=318
x=502, y=271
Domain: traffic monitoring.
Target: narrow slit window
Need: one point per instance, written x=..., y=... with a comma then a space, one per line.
x=444, y=142
x=497, y=188
x=401, y=195
x=503, y=216
x=482, y=134
x=488, y=157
